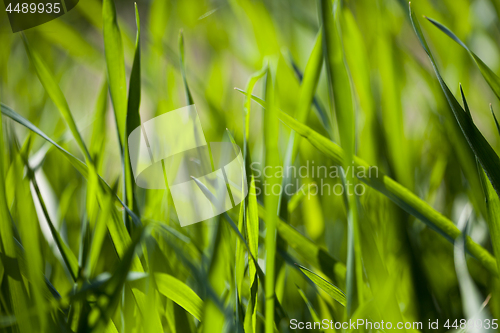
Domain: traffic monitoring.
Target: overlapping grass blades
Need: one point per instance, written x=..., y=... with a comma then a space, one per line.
x=393, y=190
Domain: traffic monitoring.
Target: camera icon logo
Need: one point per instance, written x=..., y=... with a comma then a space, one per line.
x=205, y=180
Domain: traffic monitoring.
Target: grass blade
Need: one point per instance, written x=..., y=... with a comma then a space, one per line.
x=485, y=154
x=490, y=77
x=393, y=190
x=271, y=201
x=180, y=293
x=326, y=286
x=189, y=97
x=133, y=116
x=56, y=95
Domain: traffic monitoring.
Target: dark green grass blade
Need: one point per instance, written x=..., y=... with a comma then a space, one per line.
x=189, y=97
x=490, y=77
x=133, y=116
x=485, y=154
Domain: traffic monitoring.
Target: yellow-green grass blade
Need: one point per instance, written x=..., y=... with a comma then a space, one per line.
x=180, y=293
x=314, y=314
x=307, y=92
x=29, y=232
x=311, y=252
x=12, y=275
x=493, y=208
x=66, y=253
x=271, y=201
x=115, y=64
x=78, y=164
x=252, y=226
x=393, y=190
x=341, y=99
x=326, y=286
x=359, y=69
x=484, y=152
x=248, y=99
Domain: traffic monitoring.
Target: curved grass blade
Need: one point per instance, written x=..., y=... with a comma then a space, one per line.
x=485, y=154
x=180, y=293
x=495, y=118
x=326, y=286
x=491, y=78
x=393, y=190
x=67, y=255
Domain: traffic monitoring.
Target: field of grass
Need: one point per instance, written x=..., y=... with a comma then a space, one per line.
x=396, y=101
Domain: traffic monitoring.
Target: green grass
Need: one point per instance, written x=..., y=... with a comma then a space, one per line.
x=366, y=84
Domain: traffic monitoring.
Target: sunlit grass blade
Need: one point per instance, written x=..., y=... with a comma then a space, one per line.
x=493, y=208
x=326, y=286
x=29, y=232
x=78, y=164
x=248, y=99
x=115, y=64
x=271, y=200
x=341, y=100
x=393, y=190
x=12, y=275
x=68, y=256
x=180, y=293
x=252, y=226
x=307, y=92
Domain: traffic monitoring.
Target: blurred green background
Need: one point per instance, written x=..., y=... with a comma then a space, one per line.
x=74, y=260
